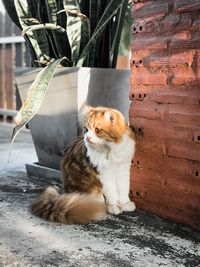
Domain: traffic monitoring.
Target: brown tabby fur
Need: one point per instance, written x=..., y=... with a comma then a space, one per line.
x=73, y=208
x=78, y=173
x=79, y=204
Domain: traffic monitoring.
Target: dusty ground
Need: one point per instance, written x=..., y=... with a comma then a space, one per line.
x=132, y=239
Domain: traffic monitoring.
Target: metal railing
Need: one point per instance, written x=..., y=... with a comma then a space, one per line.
x=13, y=53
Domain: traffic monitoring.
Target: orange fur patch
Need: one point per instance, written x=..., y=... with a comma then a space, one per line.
x=106, y=123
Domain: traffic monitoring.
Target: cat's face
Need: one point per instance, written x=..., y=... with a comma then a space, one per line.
x=103, y=126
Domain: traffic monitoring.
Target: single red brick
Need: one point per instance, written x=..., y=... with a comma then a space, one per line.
x=186, y=151
x=193, y=208
x=158, y=162
x=147, y=176
x=166, y=178
x=164, y=197
x=182, y=59
x=185, y=44
x=148, y=110
x=153, y=146
x=171, y=21
x=198, y=58
x=183, y=76
x=137, y=6
x=153, y=91
x=183, y=35
x=136, y=56
x=196, y=24
x=184, y=114
x=185, y=5
x=182, y=183
x=147, y=25
x=163, y=130
x=145, y=77
x=150, y=43
x=178, y=96
x=150, y=9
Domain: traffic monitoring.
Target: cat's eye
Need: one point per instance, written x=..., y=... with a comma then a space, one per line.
x=85, y=129
x=97, y=130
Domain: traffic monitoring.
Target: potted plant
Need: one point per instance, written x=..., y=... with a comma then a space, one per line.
x=84, y=37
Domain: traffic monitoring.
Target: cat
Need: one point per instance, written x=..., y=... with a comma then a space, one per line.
x=96, y=172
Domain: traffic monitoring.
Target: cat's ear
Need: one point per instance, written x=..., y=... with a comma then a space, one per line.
x=84, y=111
x=83, y=114
x=110, y=116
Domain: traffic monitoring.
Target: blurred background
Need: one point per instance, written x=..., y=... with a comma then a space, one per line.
x=13, y=53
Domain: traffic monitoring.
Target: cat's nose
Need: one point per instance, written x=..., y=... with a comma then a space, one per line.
x=88, y=139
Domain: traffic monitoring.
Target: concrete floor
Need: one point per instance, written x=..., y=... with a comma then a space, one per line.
x=132, y=239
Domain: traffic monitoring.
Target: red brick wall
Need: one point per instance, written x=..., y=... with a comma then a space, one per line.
x=165, y=108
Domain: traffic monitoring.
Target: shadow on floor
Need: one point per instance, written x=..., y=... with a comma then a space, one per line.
x=131, y=239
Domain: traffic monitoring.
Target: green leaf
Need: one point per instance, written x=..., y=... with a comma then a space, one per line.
x=116, y=40
x=47, y=26
x=109, y=12
x=124, y=46
x=10, y=8
x=78, y=28
x=85, y=35
x=38, y=39
x=74, y=22
x=58, y=39
x=35, y=97
x=51, y=11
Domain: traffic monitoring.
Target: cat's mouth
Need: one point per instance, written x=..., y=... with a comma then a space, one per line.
x=88, y=140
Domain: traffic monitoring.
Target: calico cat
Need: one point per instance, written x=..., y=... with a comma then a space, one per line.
x=96, y=172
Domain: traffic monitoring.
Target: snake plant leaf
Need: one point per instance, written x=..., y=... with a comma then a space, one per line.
x=10, y=8
x=47, y=26
x=94, y=10
x=74, y=27
x=58, y=39
x=116, y=40
x=61, y=17
x=38, y=39
x=124, y=45
x=109, y=12
x=85, y=36
x=51, y=11
x=35, y=97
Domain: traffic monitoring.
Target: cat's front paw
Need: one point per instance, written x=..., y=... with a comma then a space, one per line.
x=129, y=206
x=115, y=209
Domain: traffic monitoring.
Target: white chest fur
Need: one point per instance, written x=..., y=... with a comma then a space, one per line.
x=114, y=156
x=113, y=163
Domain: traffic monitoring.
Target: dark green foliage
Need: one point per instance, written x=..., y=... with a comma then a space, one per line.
x=86, y=32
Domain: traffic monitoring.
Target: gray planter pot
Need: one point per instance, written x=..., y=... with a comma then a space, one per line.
x=56, y=123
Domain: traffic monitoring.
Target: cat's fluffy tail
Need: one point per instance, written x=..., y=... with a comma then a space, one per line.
x=73, y=208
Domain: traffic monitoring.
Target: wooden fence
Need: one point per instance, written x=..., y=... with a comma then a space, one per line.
x=13, y=53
